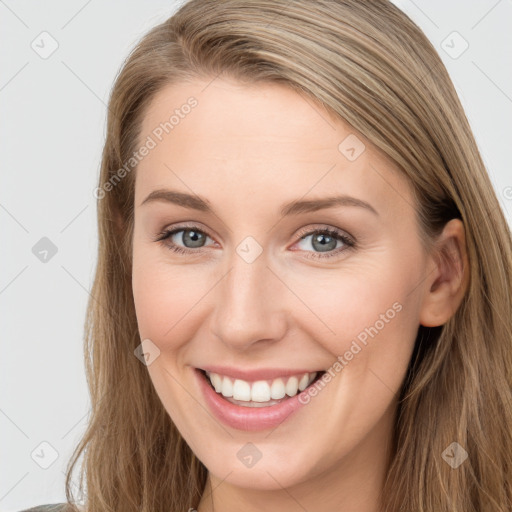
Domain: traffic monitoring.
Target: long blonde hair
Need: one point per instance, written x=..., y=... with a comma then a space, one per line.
x=370, y=65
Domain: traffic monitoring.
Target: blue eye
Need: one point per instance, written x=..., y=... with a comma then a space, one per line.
x=324, y=240
x=191, y=235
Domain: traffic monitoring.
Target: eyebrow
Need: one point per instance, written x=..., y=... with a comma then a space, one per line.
x=296, y=207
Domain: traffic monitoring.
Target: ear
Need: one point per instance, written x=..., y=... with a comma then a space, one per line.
x=448, y=281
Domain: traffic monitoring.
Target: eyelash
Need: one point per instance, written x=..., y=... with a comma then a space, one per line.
x=336, y=234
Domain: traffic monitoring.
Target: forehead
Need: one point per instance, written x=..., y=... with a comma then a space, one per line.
x=263, y=142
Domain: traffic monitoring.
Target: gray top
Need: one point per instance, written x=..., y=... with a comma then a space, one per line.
x=55, y=507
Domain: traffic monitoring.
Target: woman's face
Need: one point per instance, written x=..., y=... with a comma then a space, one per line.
x=259, y=291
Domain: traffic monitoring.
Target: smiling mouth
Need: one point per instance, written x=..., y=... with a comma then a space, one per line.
x=262, y=393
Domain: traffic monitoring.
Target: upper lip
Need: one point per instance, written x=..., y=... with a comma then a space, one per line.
x=251, y=375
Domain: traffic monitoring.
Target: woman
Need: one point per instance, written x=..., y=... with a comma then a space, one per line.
x=302, y=298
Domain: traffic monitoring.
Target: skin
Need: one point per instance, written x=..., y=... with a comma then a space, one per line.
x=248, y=150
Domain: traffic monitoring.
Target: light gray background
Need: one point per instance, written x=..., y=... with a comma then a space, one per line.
x=51, y=136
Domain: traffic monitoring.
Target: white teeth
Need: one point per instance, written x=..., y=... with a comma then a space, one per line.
x=291, y=386
x=303, y=383
x=241, y=390
x=277, y=390
x=216, y=380
x=227, y=387
x=261, y=390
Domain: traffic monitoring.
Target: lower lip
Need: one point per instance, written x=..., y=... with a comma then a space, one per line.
x=247, y=418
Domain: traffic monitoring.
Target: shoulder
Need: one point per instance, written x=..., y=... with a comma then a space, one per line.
x=55, y=507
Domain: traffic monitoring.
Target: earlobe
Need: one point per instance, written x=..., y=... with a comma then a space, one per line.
x=448, y=281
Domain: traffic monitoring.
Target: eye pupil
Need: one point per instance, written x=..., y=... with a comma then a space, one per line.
x=323, y=244
x=194, y=237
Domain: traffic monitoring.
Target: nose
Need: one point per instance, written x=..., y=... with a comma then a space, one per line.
x=250, y=305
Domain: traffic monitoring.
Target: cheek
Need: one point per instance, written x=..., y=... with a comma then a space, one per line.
x=365, y=300
x=159, y=301
x=164, y=298
x=168, y=299
x=367, y=318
